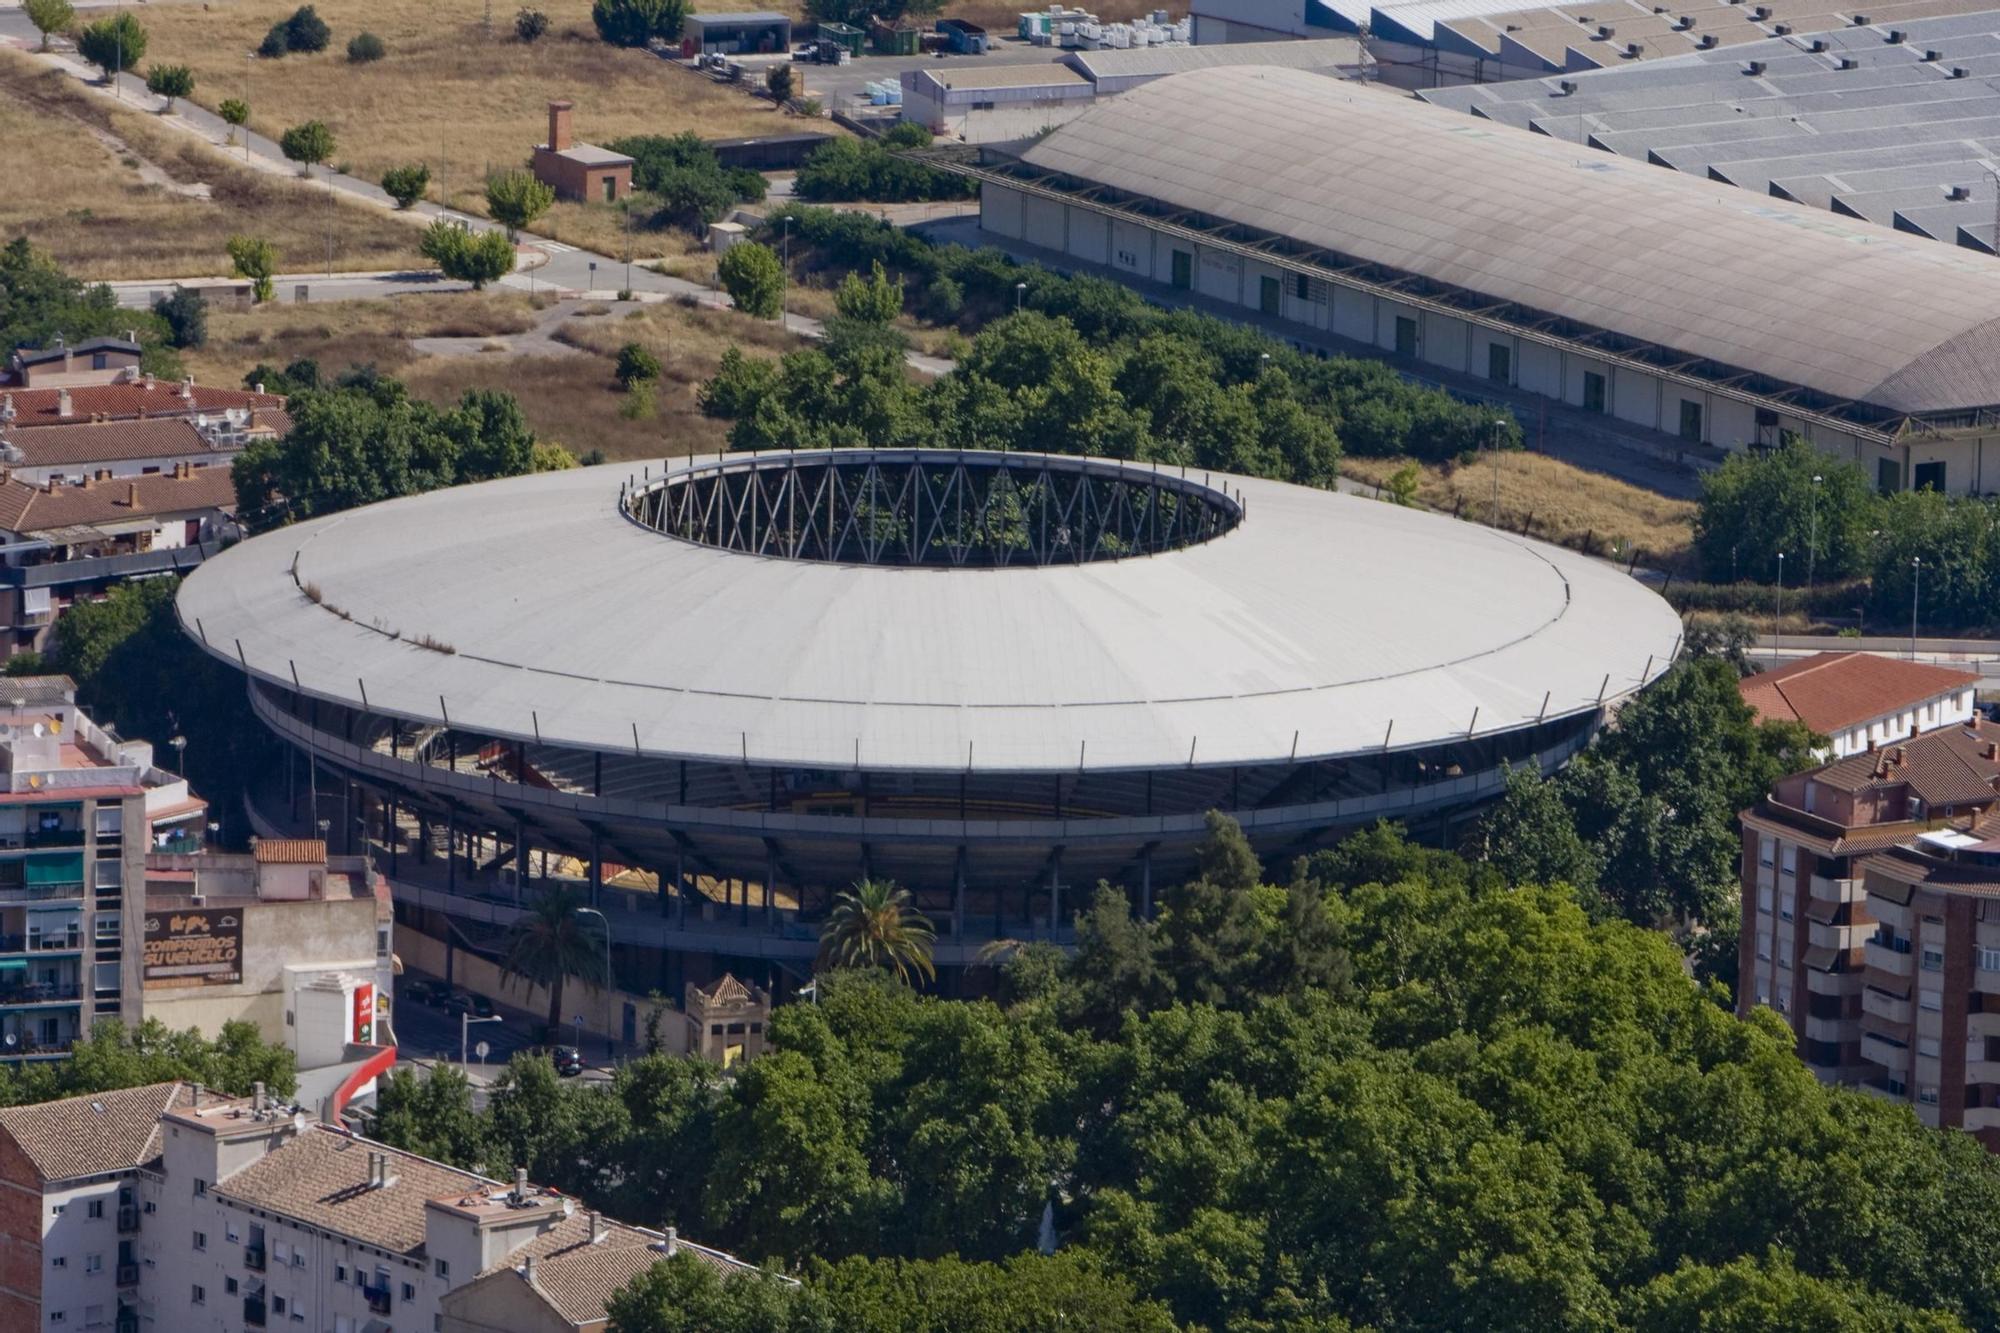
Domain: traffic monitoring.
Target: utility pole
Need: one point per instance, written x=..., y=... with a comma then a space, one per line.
x=1916, y=575
x=1781, y=585
x=1812, y=541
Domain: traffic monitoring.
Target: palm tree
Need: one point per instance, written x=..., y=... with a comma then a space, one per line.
x=550, y=944
x=874, y=925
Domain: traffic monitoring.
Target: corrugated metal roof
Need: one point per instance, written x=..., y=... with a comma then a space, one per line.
x=1759, y=284
x=1321, y=53
x=1307, y=628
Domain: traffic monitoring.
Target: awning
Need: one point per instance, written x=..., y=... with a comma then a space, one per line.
x=56, y=869
x=13, y=964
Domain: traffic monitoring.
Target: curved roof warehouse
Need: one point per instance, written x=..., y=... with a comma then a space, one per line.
x=1707, y=294
x=863, y=655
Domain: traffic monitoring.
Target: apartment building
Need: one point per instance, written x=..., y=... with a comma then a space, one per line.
x=79, y=811
x=1867, y=888
x=561, y=1282
x=1861, y=699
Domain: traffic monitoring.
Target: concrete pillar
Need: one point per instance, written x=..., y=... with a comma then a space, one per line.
x=596, y=868
x=520, y=858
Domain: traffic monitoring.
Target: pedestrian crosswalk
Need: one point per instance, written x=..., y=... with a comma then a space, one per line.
x=557, y=246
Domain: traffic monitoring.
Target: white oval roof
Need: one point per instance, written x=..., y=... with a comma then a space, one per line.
x=1323, y=624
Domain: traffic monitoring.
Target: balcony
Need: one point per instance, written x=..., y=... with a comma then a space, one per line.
x=128, y=1275
x=45, y=839
x=378, y=1299
x=1880, y=1004
x=40, y=992
x=1885, y=959
x=1982, y=1071
x=1879, y=1050
x=253, y=1311
x=17, y=892
x=1833, y=890
x=1983, y=1025
x=128, y=1218
x=253, y=1258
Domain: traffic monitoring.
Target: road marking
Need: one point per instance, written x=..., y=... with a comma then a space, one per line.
x=557, y=246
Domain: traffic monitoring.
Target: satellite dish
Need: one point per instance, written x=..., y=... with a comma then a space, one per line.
x=40, y=731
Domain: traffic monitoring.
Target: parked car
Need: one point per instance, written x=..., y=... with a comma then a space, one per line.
x=568, y=1060
x=423, y=991
x=457, y=1002
x=481, y=1006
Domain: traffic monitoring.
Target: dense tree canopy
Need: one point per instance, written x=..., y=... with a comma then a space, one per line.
x=1758, y=504
x=39, y=303
x=115, y=1056
x=682, y=173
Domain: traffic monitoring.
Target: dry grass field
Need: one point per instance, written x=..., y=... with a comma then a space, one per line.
x=447, y=94
x=108, y=192
x=349, y=333
x=1565, y=503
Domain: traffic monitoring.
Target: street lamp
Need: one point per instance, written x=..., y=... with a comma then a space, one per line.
x=180, y=744
x=1781, y=585
x=1812, y=539
x=1020, y=295
x=785, y=270
x=465, y=1022
x=608, y=981
x=1916, y=577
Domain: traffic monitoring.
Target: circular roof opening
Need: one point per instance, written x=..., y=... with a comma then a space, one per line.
x=933, y=508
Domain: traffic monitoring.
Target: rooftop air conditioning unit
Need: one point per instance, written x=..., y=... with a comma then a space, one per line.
x=1849, y=62
x=1683, y=23
x=1632, y=50
x=1606, y=30
x=1819, y=44
x=1860, y=20
x=1760, y=13
x=1754, y=68
x=1958, y=193
x=1568, y=87
x=1959, y=71
x=1930, y=57
x=1897, y=36
x=1707, y=42
x=1782, y=29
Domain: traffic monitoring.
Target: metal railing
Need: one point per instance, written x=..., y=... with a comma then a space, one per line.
x=173, y=559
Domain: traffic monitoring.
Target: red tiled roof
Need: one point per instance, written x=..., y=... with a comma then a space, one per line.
x=38, y=407
x=290, y=851
x=86, y=442
x=26, y=508
x=95, y=1133
x=1951, y=766
x=1831, y=692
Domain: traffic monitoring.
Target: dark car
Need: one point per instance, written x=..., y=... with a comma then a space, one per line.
x=568, y=1060
x=423, y=992
x=456, y=1002
x=481, y=1006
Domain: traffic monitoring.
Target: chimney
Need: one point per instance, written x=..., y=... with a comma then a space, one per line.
x=673, y=1246
x=520, y=1183
x=50, y=485
x=65, y=405
x=149, y=381
x=260, y=386
x=1902, y=755
x=132, y=494
x=132, y=336
x=597, y=1232
x=1993, y=751
x=194, y=1096
x=528, y=1270
x=558, y=126
x=87, y=481
x=257, y=1098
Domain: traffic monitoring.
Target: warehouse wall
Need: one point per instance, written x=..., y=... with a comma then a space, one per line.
x=1125, y=248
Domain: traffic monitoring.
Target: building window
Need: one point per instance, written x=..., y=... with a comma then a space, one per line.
x=1763, y=948
x=1766, y=850
x=1989, y=960
x=340, y=1272
x=1785, y=908
x=409, y=1292
x=1499, y=363
x=60, y=1261
x=93, y=1263
x=1927, y=1046
x=1930, y=999
x=200, y=1188
x=95, y=1208
x=200, y=1294
x=1928, y=1096
x=444, y=1268
x=1690, y=421
x=110, y=821
x=201, y=1240
x=229, y=1286
x=1593, y=391
x=1933, y=959
x=1927, y=477
x=277, y=1305
x=1302, y=287
x=58, y=1316
x=1268, y=295
x=1406, y=336
x=1895, y=1087
x=1888, y=476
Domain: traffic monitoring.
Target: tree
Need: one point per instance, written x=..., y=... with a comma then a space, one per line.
x=467, y=256
x=308, y=145
x=114, y=44
x=530, y=24
x=185, y=313
x=780, y=82
x=277, y=41
x=1937, y=558
x=365, y=48
x=235, y=112
x=549, y=945
x=636, y=22
x=637, y=365
x=49, y=16
x=306, y=31
x=751, y=274
x=515, y=199
x=1530, y=836
x=431, y=1115
x=406, y=184
x=255, y=258
x=1758, y=504
x=684, y=1294
x=871, y=300
x=874, y=924
x=170, y=82
x=1747, y=1295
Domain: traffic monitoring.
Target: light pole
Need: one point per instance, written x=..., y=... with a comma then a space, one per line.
x=1916, y=577
x=1781, y=585
x=1495, y=520
x=785, y=267
x=593, y=275
x=248, y=58
x=180, y=744
x=1020, y=295
x=1263, y=363
x=1812, y=540
x=465, y=1022
x=608, y=981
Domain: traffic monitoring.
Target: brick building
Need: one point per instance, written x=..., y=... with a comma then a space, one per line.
x=580, y=171
x=1871, y=921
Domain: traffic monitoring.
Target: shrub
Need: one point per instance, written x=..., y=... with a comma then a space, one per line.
x=306, y=31
x=636, y=22
x=365, y=47
x=171, y=82
x=307, y=144
x=515, y=198
x=754, y=279
x=407, y=184
x=235, y=111
x=781, y=82
x=530, y=25
x=113, y=44
x=636, y=365
x=186, y=314
x=276, y=43
x=256, y=259
x=851, y=169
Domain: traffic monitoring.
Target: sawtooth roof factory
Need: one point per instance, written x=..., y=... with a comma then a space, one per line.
x=994, y=678
x=1346, y=216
